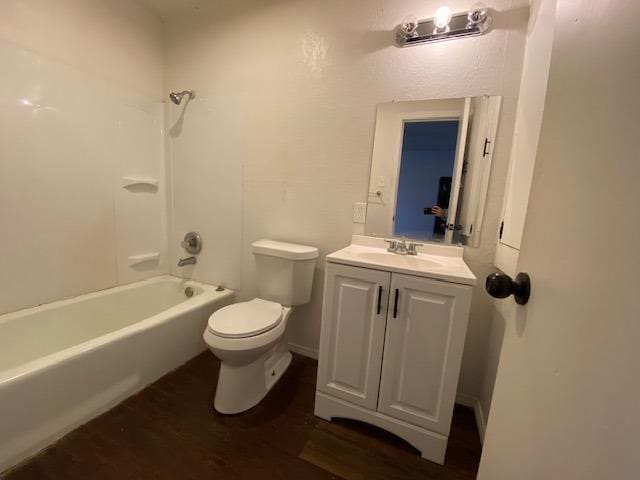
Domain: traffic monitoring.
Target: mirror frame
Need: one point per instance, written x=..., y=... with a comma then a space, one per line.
x=390, y=120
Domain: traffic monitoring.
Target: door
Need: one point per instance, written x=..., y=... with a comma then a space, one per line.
x=457, y=171
x=476, y=173
x=566, y=401
x=426, y=326
x=352, y=337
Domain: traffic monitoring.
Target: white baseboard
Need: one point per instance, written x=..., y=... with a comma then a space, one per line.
x=473, y=402
x=304, y=351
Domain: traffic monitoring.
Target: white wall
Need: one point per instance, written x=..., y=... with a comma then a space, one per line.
x=116, y=40
x=79, y=108
x=566, y=397
x=303, y=79
x=528, y=122
x=533, y=89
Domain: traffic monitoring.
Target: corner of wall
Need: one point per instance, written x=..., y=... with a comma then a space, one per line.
x=478, y=411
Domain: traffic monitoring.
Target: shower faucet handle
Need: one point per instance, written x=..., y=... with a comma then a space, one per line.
x=192, y=243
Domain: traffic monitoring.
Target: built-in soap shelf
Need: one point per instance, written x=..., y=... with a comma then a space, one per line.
x=140, y=183
x=145, y=257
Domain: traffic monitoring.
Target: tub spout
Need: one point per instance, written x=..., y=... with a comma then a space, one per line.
x=186, y=261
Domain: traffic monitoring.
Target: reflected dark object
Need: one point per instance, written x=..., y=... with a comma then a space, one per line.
x=500, y=285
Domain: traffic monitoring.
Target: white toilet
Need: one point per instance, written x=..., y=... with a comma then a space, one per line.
x=249, y=337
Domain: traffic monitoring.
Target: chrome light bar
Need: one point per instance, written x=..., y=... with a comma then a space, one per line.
x=443, y=26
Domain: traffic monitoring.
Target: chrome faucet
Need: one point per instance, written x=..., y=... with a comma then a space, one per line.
x=412, y=248
x=401, y=248
x=186, y=261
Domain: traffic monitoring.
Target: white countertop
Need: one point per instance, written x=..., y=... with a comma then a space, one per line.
x=433, y=261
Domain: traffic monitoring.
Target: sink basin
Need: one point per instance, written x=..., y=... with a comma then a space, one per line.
x=418, y=262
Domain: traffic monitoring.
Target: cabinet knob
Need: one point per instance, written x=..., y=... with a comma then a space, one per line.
x=500, y=285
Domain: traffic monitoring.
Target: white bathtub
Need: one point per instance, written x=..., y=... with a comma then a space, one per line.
x=64, y=363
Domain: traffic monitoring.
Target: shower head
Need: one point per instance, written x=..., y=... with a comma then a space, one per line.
x=176, y=97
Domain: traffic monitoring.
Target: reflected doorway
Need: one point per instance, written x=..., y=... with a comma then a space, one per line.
x=424, y=182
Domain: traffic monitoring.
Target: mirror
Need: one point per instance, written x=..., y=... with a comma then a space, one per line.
x=430, y=169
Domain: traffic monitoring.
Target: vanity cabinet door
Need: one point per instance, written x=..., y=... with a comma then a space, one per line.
x=426, y=326
x=352, y=337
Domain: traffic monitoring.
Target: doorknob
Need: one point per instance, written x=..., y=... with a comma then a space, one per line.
x=500, y=285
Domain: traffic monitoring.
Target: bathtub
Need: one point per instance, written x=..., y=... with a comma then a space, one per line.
x=64, y=363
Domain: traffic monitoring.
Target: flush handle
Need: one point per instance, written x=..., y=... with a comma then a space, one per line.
x=500, y=285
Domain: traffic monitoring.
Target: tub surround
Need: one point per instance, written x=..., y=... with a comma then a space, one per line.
x=80, y=109
x=69, y=138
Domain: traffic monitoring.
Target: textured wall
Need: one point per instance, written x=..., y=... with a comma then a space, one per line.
x=304, y=78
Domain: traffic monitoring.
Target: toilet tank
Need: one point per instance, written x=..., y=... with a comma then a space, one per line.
x=284, y=271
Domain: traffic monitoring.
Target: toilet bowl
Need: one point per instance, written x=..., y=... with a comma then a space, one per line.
x=249, y=338
x=250, y=362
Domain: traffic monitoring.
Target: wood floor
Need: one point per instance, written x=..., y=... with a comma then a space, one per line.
x=170, y=431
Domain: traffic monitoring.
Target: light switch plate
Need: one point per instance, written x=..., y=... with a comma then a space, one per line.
x=359, y=212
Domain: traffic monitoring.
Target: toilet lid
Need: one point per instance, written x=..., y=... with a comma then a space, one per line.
x=245, y=319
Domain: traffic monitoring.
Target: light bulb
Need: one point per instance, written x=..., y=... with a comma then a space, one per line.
x=477, y=14
x=409, y=26
x=442, y=18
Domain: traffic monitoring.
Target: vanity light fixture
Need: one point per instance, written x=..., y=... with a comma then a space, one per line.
x=443, y=26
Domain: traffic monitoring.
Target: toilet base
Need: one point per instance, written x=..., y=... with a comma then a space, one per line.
x=241, y=387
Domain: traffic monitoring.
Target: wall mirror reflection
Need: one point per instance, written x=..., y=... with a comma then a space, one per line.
x=430, y=169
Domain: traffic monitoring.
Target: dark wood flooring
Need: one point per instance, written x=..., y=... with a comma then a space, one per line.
x=170, y=431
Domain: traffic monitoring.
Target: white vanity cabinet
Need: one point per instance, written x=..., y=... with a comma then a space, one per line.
x=352, y=339
x=423, y=347
x=390, y=352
